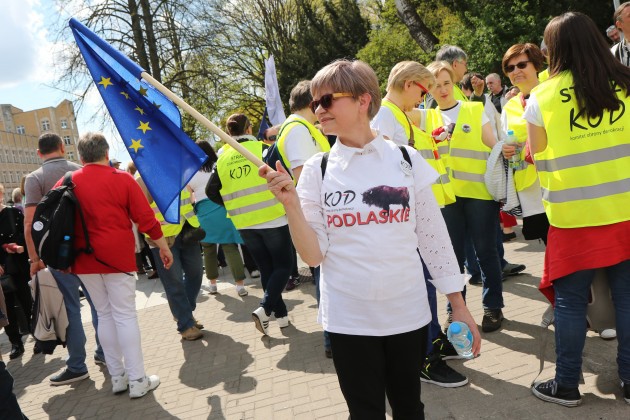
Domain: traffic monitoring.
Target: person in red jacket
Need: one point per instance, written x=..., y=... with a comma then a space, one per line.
x=111, y=200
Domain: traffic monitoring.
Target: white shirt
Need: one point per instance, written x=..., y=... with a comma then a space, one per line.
x=198, y=184
x=388, y=126
x=372, y=281
x=299, y=145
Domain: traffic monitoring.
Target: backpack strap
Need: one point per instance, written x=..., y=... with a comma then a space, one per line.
x=324, y=163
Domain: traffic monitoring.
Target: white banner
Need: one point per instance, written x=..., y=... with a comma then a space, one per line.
x=272, y=93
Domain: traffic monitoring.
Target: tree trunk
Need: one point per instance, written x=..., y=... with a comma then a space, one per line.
x=138, y=38
x=154, y=58
x=417, y=29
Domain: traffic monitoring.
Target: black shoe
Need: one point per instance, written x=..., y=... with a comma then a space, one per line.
x=513, y=269
x=492, y=319
x=507, y=237
x=550, y=391
x=67, y=377
x=626, y=392
x=475, y=280
x=37, y=348
x=444, y=348
x=436, y=371
x=293, y=283
x=16, y=351
x=328, y=352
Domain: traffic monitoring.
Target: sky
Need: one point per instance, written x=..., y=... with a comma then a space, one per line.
x=27, y=72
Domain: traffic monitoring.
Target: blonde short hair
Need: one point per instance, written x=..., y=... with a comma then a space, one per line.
x=345, y=76
x=408, y=70
x=436, y=68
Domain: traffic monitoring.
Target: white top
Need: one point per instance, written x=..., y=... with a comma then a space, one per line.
x=386, y=123
x=198, y=184
x=450, y=116
x=371, y=225
x=494, y=118
x=532, y=113
x=299, y=145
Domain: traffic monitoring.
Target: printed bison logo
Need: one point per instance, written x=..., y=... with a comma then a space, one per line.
x=384, y=196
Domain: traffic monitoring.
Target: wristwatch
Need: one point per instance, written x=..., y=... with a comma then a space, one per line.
x=34, y=261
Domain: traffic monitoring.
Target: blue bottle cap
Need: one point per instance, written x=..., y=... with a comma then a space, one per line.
x=66, y=238
x=455, y=328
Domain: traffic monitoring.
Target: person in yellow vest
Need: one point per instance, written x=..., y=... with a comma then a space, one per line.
x=521, y=63
x=259, y=218
x=298, y=140
x=182, y=282
x=407, y=85
x=474, y=212
x=577, y=124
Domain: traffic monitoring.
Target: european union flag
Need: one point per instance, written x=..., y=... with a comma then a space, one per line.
x=264, y=124
x=148, y=122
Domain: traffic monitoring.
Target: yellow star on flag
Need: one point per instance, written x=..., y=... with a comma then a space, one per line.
x=143, y=91
x=125, y=94
x=144, y=126
x=106, y=81
x=140, y=110
x=135, y=145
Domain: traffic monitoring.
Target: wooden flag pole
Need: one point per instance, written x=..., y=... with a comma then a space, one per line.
x=203, y=120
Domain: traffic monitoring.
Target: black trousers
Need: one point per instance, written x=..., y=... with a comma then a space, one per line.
x=9, y=407
x=368, y=368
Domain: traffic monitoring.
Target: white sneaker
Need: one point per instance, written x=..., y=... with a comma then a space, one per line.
x=608, y=334
x=141, y=387
x=242, y=291
x=120, y=383
x=261, y=319
x=255, y=274
x=283, y=322
x=213, y=289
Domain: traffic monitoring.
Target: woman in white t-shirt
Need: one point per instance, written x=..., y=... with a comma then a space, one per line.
x=474, y=212
x=367, y=217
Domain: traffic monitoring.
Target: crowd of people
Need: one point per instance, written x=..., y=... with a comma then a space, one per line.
x=380, y=243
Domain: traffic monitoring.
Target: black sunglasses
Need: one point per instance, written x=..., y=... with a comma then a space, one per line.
x=326, y=101
x=521, y=65
x=272, y=138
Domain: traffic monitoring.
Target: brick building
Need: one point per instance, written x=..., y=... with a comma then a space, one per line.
x=19, y=131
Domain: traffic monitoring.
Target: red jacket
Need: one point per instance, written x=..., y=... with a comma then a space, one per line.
x=110, y=199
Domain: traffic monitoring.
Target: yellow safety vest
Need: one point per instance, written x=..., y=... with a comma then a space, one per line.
x=526, y=177
x=543, y=75
x=246, y=197
x=424, y=144
x=288, y=125
x=458, y=94
x=467, y=155
x=186, y=211
x=585, y=169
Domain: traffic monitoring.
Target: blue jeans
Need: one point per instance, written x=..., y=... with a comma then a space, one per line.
x=271, y=249
x=68, y=284
x=182, y=282
x=477, y=219
x=571, y=300
x=316, y=274
x=472, y=263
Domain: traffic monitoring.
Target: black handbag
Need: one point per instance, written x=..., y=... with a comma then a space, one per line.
x=7, y=283
x=191, y=235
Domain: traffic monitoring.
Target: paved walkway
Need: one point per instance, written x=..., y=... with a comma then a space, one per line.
x=234, y=373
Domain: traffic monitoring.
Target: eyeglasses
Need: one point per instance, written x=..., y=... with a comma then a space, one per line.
x=521, y=65
x=424, y=90
x=272, y=138
x=326, y=101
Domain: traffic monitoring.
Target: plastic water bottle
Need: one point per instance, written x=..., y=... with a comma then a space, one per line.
x=65, y=249
x=461, y=338
x=515, y=161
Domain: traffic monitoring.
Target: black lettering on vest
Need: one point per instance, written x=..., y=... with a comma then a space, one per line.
x=564, y=92
x=598, y=121
x=240, y=172
x=621, y=111
x=573, y=119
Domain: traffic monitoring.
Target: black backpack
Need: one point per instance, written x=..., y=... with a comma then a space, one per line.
x=53, y=226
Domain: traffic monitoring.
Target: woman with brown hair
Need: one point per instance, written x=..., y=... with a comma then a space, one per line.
x=373, y=295
x=577, y=124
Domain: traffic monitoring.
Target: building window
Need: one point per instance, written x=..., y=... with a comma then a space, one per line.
x=45, y=125
x=66, y=140
x=20, y=129
x=64, y=124
x=71, y=155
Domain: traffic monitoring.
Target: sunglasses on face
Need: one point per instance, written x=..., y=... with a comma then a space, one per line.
x=326, y=101
x=272, y=138
x=521, y=65
x=424, y=90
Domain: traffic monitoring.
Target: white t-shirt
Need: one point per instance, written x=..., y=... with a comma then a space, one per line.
x=198, y=184
x=388, y=126
x=532, y=113
x=299, y=145
x=371, y=225
x=450, y=116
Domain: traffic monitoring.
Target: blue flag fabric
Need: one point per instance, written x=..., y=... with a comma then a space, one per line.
x=264, y=124
x=148, y=122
